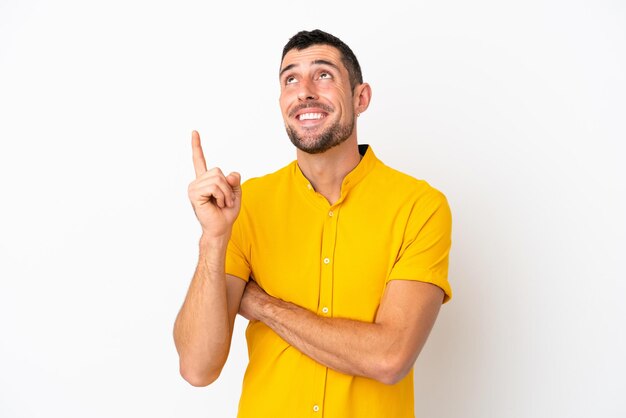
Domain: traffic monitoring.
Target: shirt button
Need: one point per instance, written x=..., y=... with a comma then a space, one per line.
x=316, y=408
x=326, y=260
x=330, y=213
x=308, y=186
x=324, y=309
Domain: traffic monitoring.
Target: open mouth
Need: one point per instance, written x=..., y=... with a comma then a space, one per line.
x=311, y=116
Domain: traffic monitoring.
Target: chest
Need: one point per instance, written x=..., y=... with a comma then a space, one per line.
x=332, y=262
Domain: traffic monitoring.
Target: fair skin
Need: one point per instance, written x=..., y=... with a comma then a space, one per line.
x=315, y=94
x=204, y=325
x=317, y=74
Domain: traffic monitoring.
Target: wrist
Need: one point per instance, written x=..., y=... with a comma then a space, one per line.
x=214, y=242
x=213, y=253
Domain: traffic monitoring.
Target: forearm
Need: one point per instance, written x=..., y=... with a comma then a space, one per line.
x=203, y=328
x=352, y=347
x=384, y=350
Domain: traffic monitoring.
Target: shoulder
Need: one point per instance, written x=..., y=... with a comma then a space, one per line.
x=407, y=187
x=259, y=187
x=422, y=209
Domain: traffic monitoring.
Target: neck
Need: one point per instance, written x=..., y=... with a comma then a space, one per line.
x=327, y=170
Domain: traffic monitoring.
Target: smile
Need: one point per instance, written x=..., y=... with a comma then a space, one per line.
x=311, y=116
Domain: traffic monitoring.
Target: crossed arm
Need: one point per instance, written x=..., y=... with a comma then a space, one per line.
x=384, y=350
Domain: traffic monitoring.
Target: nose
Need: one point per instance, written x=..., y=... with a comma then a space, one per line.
x=307, y=91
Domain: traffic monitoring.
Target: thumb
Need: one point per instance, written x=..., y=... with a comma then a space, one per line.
x=234, y=180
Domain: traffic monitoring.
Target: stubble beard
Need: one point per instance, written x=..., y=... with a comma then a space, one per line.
x=330, y=137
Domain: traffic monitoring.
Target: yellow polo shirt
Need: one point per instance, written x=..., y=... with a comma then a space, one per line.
x=334, y=261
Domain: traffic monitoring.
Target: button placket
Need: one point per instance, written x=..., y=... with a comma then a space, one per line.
x=329, y=235
x=319, y=389
x=327, y=272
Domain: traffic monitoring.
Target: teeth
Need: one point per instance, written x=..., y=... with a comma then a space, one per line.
x=309, y=116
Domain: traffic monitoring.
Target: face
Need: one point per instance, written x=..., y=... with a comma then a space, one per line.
x=316, y=99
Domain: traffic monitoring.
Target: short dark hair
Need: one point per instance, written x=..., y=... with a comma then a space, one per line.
x=305, y=39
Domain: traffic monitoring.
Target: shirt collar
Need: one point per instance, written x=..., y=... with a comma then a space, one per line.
x=362, y=169
x=354, y=177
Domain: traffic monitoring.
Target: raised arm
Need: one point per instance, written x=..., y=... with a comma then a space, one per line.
x=204, y=325
x=384, y=350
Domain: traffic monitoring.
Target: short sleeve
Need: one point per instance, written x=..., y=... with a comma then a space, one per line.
x=425, y=249
x=237, y=258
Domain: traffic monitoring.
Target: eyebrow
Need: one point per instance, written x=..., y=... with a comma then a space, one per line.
x=315, y=62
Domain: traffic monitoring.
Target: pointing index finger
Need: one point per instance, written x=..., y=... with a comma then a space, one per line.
x=199, y=164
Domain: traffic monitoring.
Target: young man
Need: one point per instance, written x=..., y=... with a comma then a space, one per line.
x=339, y=262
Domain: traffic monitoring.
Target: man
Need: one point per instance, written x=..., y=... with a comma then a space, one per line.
x=338, y=261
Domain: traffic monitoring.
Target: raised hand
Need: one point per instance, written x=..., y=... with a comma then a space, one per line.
x=216, y=198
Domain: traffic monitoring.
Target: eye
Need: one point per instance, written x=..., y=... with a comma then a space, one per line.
x=324, y=76
x=290, y=80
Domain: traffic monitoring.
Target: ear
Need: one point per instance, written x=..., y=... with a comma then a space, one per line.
x=362, y=97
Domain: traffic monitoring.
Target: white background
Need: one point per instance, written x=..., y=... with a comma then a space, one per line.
x=515, y=110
